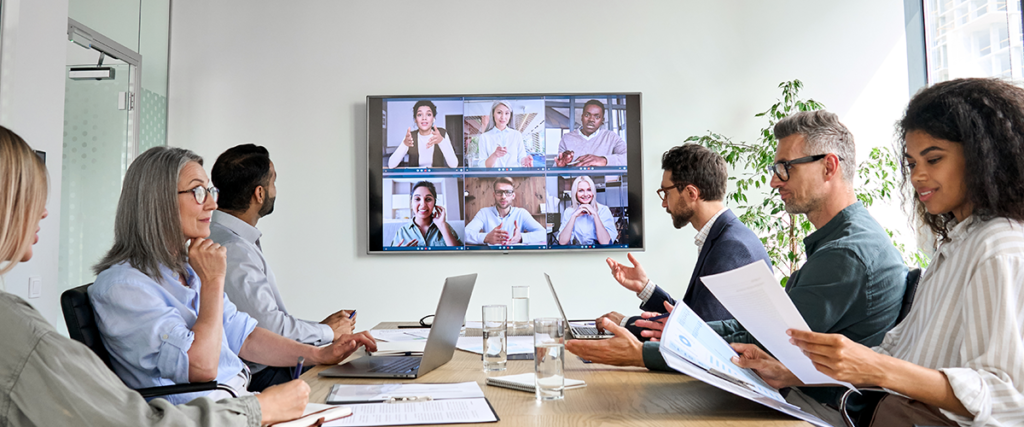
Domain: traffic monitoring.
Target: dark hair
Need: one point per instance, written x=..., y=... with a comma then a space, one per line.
x=503, y=180
x=428, y=184
x=986, y=117
x=424, y=103
x=695, y=165
x=237, y=172
x=594, y=102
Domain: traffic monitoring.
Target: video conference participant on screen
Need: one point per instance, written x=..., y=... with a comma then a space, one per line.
x=586, y=222
x=503, y=223
x=429, y=146
x=503, y=145
x=590, y=145
x=429, y=226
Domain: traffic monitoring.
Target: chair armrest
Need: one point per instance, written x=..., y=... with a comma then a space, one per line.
x=184, y=388
x=842, y=402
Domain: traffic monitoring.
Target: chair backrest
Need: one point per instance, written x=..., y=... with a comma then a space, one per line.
x=913, y=276
x=81, y=321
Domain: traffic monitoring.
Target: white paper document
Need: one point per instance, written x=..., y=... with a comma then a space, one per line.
x=392, y=335
x=433, y=412
x=355, y=393
x=514, y=345
x=755, y=298
x=691, y=347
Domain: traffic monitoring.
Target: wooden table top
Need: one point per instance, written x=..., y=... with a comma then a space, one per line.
x=613, y=396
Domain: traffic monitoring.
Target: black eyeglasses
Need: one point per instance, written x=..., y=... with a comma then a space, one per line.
x=504, y=192
x=781, y=168
x=663, y=191
x=200, y=193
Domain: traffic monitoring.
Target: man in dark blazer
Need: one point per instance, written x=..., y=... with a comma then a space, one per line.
x=692, y=191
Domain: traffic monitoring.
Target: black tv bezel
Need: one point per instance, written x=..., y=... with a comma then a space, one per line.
x=634, y=172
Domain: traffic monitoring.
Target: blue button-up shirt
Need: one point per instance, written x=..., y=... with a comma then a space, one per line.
x=584, y=231
x=487, y=219
x=146, y=326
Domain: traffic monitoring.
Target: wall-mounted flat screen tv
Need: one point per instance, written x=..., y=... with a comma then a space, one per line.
x=505, y=173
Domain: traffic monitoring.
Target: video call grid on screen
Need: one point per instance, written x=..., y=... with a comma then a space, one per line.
x=535, y=149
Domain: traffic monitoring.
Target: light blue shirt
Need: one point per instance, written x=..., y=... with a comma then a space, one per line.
x=146, y=327
x=584, y=231
x=487, y=219
x=509, y=138
x=410, y=232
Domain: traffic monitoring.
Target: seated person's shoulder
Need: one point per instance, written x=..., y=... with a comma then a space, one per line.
x=117, y=277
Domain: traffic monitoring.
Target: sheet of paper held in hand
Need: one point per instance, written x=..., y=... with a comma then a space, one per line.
x=691, y=347
x=455, y=411
x=755, y=298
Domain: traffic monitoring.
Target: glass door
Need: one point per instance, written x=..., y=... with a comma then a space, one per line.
x=99, y=143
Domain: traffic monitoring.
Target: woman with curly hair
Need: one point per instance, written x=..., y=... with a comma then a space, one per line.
x=958, y=357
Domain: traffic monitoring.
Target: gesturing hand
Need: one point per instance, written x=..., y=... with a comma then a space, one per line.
x=412, y=242
x=408, y=138
x=527, y=162
x=209, y=260
x=499, y=152
x=283, y=402
x=633, y=278
x=516, y=236
x=564, y=158
x=435, y=138
x=496, y=236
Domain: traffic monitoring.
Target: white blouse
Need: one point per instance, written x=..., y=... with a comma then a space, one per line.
x=967, y=321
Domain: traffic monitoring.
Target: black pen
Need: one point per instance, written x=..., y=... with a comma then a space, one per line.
x=298, y=368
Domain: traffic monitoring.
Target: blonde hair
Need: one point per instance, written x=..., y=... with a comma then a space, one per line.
x=576, y=186
x=23, y=186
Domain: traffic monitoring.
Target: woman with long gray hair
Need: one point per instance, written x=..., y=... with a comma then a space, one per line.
x=159, y=295
x=43, y=370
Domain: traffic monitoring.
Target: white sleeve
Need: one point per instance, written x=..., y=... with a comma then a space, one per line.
x=475, y=232
x=397, y=157
x=533, y=232
x=449, y=152
x=989, y=384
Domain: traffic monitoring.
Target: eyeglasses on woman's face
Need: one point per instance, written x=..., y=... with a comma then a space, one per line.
x=200, y=192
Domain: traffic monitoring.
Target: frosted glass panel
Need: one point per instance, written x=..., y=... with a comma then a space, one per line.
x=94, y=160
x=117, y=19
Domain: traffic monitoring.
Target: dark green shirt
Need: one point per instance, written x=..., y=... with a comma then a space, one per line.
x=852, y=284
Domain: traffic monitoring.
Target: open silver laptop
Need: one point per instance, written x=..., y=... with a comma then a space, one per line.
x=444, y=334
x=577, y=332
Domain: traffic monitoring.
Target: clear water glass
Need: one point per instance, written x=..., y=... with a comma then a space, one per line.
x=494, y=330
x=549, y=357
x=520, y=307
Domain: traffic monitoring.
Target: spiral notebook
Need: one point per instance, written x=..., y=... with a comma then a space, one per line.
x=528, y=382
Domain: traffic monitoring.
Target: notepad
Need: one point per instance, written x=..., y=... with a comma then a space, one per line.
x=314, y=413
x=528, y=382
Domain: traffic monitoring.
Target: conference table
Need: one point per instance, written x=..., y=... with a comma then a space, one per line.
x=614, y=396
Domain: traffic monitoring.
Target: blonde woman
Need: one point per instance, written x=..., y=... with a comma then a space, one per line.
x=502, y=144
x=586, y=222
x=43, y=370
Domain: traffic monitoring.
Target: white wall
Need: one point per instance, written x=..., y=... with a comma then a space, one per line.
x=32, y=105
x=293, y=76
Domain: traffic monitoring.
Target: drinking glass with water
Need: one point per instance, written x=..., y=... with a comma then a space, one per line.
x=549, y=357
x=521, y=308
x=495, y=346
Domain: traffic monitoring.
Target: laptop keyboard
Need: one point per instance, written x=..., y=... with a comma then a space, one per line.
x=398, y=366
x=584, y=330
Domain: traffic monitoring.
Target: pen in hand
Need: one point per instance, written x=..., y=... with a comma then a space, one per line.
x=352, y=314
x=298, y=368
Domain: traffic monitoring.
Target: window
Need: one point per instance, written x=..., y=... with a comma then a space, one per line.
x=973, y=38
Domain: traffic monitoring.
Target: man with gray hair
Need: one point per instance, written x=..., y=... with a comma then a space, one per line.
x=854, y=278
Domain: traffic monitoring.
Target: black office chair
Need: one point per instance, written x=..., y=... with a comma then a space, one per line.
x=913, y=277
x=81, y=321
